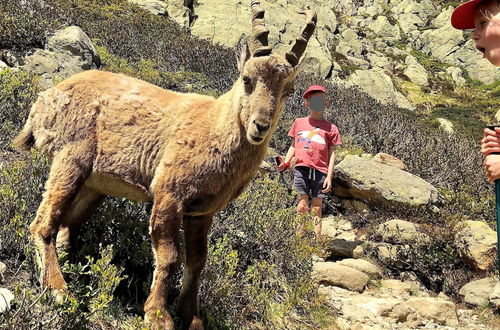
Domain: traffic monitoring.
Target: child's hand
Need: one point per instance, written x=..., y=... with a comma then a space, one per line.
x=283, y=166
x=327, y=185
x=492, y=167
x=491, y=141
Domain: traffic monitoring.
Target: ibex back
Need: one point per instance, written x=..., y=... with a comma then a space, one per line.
x=109, y=134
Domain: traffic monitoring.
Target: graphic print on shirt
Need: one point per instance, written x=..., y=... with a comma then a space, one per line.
x=311, y=136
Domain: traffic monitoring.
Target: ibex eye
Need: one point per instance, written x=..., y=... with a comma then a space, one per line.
x=246, y=80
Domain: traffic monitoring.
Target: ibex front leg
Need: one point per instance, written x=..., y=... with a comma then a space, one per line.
x=164, y=230
x=195, y=233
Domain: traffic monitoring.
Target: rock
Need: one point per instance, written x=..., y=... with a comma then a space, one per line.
x=396, y=287
x=390, y=160
x=364, y=266
x=2, y=270
x=3, y=65
x=223, y=22
x=440, y=311
x=494, y=297
x=477, y=67
x=355, y=206
x=156, y=7
x=416, y=72
x=383, y=28
x=422, y=8
x=445, y=125
x=362, y=307
x=358, y=252
x=410, y=22
x=5, y=299
x=388, y=253
x=76, y=42
x=373, y=182
x=457, y=75
x=68, y=52
x=331, y=273
x=341, y=248
x=477, y=243
x=477, y=293
x=379, y=85
x=335, y=228
x=401, y=232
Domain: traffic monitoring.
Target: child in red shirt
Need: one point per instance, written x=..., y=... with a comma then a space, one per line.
x=313, y=145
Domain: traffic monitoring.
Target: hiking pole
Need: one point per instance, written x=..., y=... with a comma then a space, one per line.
x=497, y=199
x=279, y=161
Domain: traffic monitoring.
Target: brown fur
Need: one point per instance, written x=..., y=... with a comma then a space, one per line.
x=110, y=134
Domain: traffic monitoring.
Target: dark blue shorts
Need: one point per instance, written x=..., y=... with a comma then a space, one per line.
x=309, y=181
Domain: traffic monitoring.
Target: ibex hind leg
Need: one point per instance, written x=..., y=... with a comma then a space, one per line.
x=70, y=167
x=80, y=210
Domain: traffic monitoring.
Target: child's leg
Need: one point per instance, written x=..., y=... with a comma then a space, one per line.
x=303, y=208
x=316, y=206
x=303, y=205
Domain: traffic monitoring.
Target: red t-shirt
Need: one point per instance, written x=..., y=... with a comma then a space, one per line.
x=313, y=139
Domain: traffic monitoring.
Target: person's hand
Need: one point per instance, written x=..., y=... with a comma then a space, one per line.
x=492, y=167
x=283, y=166
x=491, y=141
x=327, y=185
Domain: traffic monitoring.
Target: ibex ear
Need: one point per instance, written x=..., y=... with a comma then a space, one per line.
x=244, y=51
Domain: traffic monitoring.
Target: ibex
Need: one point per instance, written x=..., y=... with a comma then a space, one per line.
x=109, y=134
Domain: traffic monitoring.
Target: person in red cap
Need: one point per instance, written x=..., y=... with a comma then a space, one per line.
x=313, y=146
x=484, y=17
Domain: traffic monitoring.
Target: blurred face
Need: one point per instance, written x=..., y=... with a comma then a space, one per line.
x=316, y=101
x=487, y=32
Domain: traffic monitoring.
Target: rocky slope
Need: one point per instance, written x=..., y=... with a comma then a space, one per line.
x=396, y=51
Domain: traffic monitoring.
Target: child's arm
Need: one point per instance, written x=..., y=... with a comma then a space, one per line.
x=331, y=164
x=290, y=154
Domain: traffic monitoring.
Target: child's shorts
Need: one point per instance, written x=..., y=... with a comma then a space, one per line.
x=309, y=181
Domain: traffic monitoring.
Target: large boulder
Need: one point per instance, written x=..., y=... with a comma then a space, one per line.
x=377, y=84
x=477, y=293
x=223, y=22
x=331, y=273
x=477, y=243
x=364, y=266
x=369, y=180
x=438, y=310
x=401, y=232
x=68, y=52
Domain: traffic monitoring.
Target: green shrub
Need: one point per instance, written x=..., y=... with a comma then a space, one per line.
x=18, y=90
x=258, y=269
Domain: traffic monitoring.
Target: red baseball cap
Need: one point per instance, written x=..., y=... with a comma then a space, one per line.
x=463, y=16
x=314, y=88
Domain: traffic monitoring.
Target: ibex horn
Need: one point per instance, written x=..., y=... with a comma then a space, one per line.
x=299, y=47
x=259, y=31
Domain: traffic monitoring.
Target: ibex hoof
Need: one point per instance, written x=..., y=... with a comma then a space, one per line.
x=159, y=320
x=196, y=324
x=60, y=295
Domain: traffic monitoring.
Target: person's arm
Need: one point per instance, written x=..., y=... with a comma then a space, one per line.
x=288, y=157
x=489, y=145
x=331, y=164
